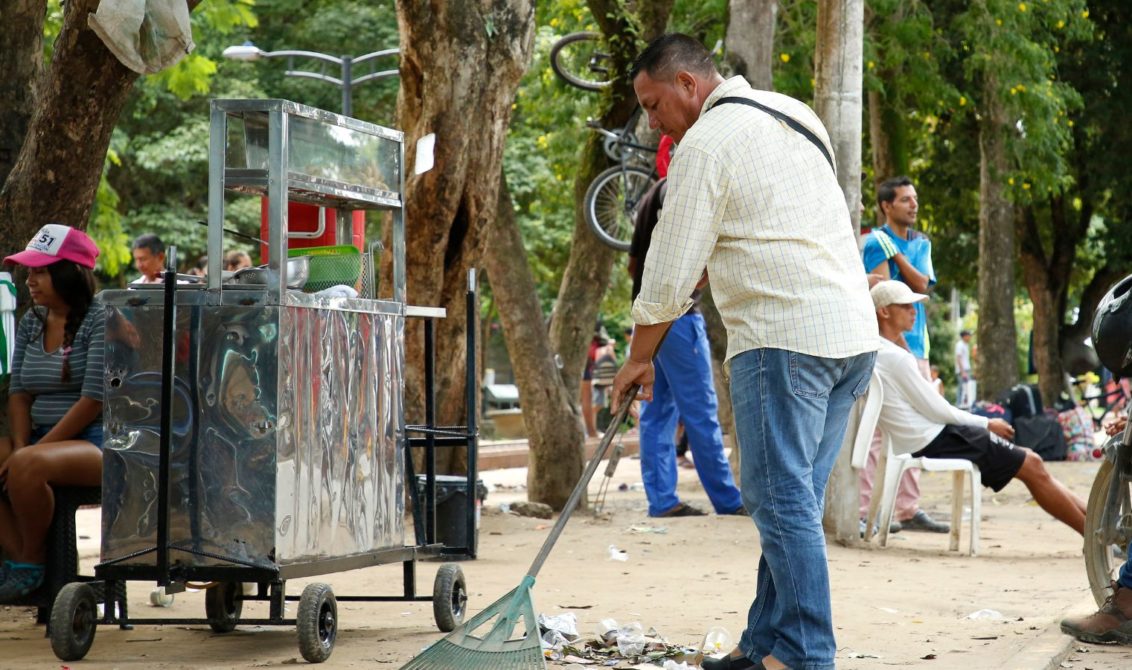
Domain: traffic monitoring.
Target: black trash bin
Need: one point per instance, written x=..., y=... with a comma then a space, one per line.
x=451, y=507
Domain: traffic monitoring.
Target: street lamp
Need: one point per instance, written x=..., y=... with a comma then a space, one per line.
x=347, y=80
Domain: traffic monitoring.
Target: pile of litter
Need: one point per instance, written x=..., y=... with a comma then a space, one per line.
x=625, y=647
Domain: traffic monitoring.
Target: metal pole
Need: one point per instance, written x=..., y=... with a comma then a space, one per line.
x=347, y=101
x=165, y=443
x=471, y=395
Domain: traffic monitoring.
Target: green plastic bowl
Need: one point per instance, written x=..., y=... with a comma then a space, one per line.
x=330, y=266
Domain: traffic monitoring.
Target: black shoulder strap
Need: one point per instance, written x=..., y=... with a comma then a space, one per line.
x=785, y=118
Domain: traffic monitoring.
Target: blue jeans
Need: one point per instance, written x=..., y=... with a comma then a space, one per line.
x=1125, y=576
x=684, y=389
x=790, y=416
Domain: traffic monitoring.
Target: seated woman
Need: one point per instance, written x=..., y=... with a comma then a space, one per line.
x=55, y=403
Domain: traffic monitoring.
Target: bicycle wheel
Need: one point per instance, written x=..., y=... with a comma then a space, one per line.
x=1101, y=563
x=611, y=204
x=580, y=60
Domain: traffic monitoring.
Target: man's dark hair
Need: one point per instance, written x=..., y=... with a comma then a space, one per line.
x=886, y=192
x=670, y=53
x=149, y=241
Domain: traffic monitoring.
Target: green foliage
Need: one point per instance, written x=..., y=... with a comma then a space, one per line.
x=105, y=226
x=190, y=76
x=703, y=19
x=1060, y=68
x=1009, y=50
x=543, y=149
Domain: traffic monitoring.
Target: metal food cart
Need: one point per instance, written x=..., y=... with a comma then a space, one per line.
x=255, y=432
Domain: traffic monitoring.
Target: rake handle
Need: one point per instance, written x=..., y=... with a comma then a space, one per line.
x=591, y=467
x=587, y=475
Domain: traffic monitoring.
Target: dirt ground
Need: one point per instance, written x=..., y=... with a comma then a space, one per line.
x=906, y=605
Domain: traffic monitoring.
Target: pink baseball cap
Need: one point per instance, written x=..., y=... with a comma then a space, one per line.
x=56, y=242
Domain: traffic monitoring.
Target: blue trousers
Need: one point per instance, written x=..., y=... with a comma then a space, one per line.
x=683, y=390
x=1125, y=577
x=790, y=416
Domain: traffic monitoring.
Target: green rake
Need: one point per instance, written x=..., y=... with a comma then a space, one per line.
x=498, y=650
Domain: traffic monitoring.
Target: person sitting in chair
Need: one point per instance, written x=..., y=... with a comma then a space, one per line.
x=920, y=422
x=55, y=401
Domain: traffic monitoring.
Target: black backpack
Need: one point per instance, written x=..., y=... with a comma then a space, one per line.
x=1023, y=400
x=1043, y=434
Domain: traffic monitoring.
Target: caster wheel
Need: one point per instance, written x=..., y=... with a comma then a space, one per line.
x=449, y=597
x=317, y=622
x=222, y=606
x=74, y=619
x=159, y=598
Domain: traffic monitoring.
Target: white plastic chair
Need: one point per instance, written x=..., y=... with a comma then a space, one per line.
x=891, y=467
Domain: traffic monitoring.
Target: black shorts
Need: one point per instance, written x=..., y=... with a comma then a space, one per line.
x=998, y=460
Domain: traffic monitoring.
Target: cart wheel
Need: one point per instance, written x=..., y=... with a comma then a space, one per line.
x=317, y=622
x=449, y=597
x=74, y=618
x=159, y=598
x=222, y=606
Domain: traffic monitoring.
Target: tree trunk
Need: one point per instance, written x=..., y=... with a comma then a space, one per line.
x=460, y=66
x=838, y=101
x=1047, y=278
x=21, y=61
x=1047, y=322
x=887, y=136
x=56, y=174
x=550, y=413
x=589, y=267
x=997, y=362
x=750, y=40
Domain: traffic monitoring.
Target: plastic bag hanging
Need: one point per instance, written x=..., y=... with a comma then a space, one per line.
x=147, y=36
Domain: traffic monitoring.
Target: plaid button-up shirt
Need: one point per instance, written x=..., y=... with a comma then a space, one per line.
x=757, y=204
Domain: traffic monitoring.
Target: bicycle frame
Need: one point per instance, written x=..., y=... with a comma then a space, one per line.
x=623, y=138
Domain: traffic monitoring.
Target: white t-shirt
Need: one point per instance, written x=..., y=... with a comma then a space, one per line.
x=962, y=358
x=913, y=413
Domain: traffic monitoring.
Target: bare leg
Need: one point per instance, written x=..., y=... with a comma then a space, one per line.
x=31, y=473
x=1050, y=494
x=9, y=539
x=589, y=413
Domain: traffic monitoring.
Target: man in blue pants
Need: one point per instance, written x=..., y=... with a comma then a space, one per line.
x=683, y=389
x=753, y=196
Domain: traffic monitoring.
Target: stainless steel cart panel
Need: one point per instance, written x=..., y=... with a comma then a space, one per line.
x=287, y=423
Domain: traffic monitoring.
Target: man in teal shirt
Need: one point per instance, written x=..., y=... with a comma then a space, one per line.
x=897, y=251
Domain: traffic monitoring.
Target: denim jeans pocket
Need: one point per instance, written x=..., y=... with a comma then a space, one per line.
x=812, y=376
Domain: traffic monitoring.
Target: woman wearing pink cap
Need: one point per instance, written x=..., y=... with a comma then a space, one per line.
x=55, y=402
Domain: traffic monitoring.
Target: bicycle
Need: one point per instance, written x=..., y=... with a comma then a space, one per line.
x=611, y=201
x=610, y=204
x=581, y=61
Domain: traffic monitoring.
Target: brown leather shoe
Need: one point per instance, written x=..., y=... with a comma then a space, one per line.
x=1112, y=623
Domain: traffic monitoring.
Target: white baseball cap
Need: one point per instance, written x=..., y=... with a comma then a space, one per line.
x=892, y=292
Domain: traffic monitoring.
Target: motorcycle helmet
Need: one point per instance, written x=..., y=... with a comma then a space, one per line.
x=1112, y=328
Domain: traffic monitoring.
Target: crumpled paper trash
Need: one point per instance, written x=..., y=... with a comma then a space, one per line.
x=147, y=36
x=993, y=615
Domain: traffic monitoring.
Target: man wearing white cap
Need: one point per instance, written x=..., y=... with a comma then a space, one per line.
x=920, y=422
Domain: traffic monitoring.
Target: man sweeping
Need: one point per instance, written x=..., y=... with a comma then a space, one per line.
x=753, y=198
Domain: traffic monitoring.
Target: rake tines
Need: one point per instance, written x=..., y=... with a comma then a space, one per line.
x=495, y=650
